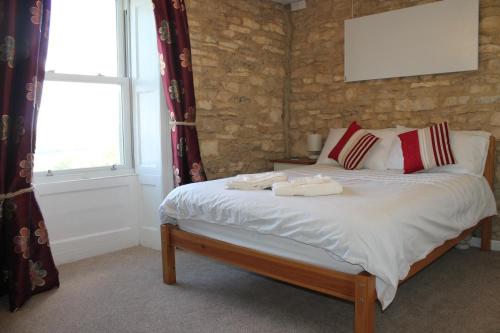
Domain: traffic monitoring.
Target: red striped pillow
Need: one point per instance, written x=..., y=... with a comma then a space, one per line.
x=426, y=148
x=353, y=147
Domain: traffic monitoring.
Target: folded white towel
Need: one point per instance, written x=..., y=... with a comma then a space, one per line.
x=318, y=179
x=258, y=181
x=308, y=187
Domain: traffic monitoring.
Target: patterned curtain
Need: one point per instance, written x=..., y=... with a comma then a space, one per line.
x=177, y=77
x=26, y=264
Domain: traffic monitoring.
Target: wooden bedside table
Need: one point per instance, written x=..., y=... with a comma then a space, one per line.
x=289, y=163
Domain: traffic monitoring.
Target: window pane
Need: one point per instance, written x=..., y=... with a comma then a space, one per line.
x=83, y=37
x=79, y=126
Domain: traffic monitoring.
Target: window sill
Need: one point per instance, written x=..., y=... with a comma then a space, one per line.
x=41, y=178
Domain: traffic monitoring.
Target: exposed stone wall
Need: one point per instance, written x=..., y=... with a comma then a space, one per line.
x=239, y=51
x=320, y=99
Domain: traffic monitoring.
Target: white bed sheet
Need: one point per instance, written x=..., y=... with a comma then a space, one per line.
x=384, y=221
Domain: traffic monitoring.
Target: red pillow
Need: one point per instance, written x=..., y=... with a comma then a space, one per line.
x=426, y=148
x=353, y=147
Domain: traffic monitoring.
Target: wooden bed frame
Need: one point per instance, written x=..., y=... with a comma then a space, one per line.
x=359, y=288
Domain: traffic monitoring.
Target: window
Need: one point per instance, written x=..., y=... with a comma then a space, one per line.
x=84, y=118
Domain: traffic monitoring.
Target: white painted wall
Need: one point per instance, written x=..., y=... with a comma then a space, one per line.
x=152, y=148
x=438, y=37
x=86, y=218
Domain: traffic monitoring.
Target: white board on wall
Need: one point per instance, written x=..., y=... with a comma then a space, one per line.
x=439, y=37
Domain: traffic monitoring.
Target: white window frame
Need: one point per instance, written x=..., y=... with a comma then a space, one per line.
x=123, y=79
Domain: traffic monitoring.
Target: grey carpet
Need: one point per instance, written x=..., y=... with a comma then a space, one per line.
x=123, y=292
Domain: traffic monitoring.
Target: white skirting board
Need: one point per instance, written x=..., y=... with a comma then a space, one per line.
x=150, y=237
x=87, y=246
x=476, y=242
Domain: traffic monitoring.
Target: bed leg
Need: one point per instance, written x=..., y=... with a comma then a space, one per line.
x=486, y=231
x=364, y=303
x=167, y=254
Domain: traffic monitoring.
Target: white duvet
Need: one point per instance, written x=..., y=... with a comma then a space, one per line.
x=384, y=221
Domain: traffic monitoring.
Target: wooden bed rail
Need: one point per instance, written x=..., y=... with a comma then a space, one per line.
x=489, y=174
x=359, y=288
x=308, y=276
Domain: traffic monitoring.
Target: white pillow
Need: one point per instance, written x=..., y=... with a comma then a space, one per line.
x=376, y=159
x=334, y=136
x=470, y=149
x=395, y=159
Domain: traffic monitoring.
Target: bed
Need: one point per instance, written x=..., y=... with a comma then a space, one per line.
x=358, y=246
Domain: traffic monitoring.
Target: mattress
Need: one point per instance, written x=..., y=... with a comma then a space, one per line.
x=278, y=246
x=384, y=221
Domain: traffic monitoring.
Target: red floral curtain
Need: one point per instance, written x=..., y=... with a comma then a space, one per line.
x=26, y=264
x=177, y=78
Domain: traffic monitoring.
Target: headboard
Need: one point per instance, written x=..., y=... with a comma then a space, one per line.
x=489, y=168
